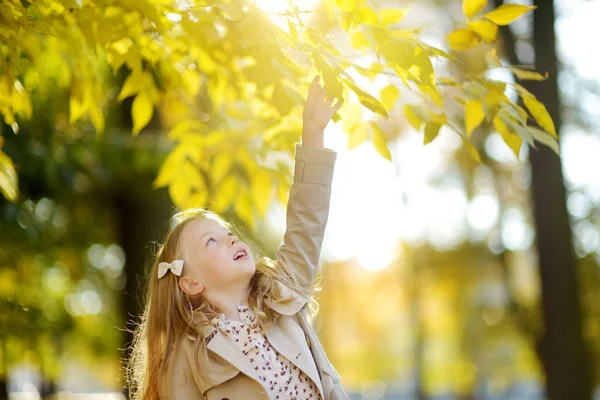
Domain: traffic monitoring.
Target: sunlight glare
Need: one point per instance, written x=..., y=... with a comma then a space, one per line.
x=279, y=6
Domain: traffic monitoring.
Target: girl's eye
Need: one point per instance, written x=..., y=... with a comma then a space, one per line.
x=209, y=240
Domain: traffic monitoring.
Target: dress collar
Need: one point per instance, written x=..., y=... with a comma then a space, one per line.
x=247, y=317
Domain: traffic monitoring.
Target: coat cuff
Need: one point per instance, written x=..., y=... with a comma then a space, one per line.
x=314, y=165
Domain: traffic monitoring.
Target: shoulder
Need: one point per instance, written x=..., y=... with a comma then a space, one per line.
x=291, y=302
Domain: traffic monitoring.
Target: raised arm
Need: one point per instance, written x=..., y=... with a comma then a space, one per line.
x=307, y=213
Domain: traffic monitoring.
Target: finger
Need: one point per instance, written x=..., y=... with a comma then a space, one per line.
x=337, y=105
x=322, y=93
x=315, y=80
x=329, y=99
x=314, y=85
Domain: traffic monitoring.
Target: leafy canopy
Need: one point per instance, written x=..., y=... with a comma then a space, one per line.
x=230, y=83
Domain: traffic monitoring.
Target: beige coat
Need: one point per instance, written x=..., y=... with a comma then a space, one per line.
x=231, y=376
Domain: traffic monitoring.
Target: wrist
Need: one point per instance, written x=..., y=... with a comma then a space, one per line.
x=312, y=142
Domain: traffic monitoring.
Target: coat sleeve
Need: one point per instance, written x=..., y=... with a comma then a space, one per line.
x=307, y=214
x=180, y=383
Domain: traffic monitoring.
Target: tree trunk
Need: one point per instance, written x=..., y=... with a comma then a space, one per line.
x=562, y=348
x=139, y=223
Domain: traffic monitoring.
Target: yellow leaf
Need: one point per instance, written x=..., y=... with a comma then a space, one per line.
x=463, y=39
x=346, y=20
x=400, y=52
x=540, y=114
x=433, y=93
x=359, y=41
x=8, y=178
x=136, y=82
x=426, y=73
x=366, y=99
x=510, y=138
x=432, y=128
x=545, y=138
x=389, y=16
x=487, y=31
x=347, y=5
x=470, y=148
x=413, y=117
x=375, y=34
x=474, y=115
x=170, y=167
x=507, y=13
x=389, y=96
x=352, y=117
x=243, y=208
x=97, y=117
x=473, y=151
x=527, y=75
x=366, y=15
x=141, y=110
x=260, y=191
x=494, y=95
x=187, y=189
x=283, y=191
x=491, y=57
x=220, y=166
x=225, y=194
x=380, y=142
x=472, y=7
x=357, y=136
x=293, y=31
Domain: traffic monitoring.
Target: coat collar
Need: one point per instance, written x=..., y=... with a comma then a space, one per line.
x=236, y=361
x=285, y=308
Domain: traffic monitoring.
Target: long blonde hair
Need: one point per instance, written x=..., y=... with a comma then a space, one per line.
x=169, y=312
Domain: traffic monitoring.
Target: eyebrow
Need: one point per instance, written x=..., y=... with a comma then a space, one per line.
x=213, y=232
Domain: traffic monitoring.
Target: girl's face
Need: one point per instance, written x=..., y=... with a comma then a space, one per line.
x=210, y=252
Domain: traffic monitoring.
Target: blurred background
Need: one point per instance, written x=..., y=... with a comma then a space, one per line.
x=442, y=278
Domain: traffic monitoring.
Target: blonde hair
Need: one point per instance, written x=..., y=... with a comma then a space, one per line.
x=169, y=312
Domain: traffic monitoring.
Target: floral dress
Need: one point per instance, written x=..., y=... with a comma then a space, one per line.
x=283, y=379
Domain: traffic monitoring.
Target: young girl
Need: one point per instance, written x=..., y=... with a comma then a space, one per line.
x=219, y=324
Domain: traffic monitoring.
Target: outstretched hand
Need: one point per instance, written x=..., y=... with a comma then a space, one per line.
x=318, y=110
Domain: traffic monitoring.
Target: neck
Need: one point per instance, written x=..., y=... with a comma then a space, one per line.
x=228, y=303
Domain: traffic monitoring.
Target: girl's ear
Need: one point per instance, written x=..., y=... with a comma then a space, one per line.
x=190, y=285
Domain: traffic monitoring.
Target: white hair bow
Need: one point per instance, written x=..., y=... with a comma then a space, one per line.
x=176, y=267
